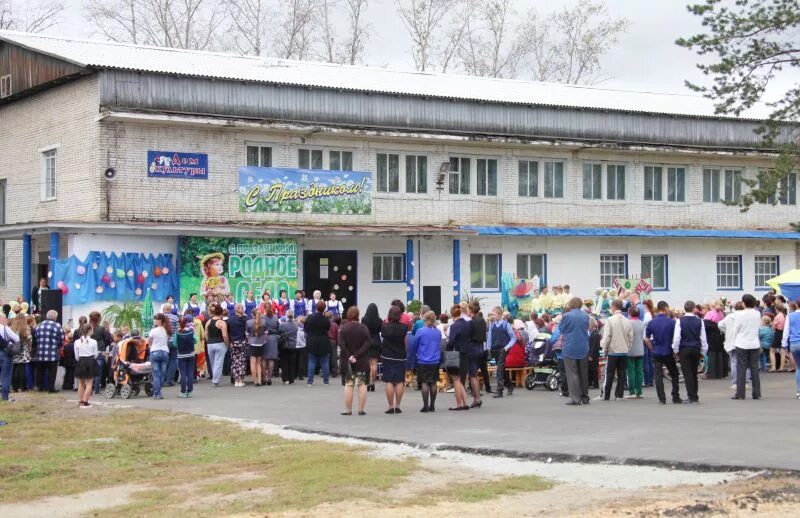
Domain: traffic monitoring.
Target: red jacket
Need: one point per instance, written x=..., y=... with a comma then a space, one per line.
x=515, y=357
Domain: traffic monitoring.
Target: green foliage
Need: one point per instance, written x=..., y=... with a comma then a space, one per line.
x=751, y=42
x=468, y=298
x=129, y=314
x=414, y=306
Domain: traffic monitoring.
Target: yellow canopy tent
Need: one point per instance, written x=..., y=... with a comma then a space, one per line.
x=790, y=277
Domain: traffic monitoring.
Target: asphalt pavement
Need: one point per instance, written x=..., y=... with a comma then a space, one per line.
x=718, y=433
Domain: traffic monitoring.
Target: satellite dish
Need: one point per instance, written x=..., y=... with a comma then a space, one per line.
x=110, y=174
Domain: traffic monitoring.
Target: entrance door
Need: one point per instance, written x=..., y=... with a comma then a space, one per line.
x=432, y=297
x=331, y=271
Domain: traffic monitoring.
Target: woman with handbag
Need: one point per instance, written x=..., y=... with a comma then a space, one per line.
x=354, y=341
x=288, y=349
x=237, y=333
x=256, y=338
x=272, y=325
x=456, y=356
x=374, y=323
x=393, y=357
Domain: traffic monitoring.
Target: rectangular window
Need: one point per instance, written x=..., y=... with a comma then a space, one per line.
x=49, y=175
x=416, y=173
x=528, y=178
x=309, y=158
x=3, y=185
x=388, y=173
x=388, y=268
x=654, y=267
x=615, y=182
x=484, y=271
x=259, y=156
x=788, y=190
x=592, y=181
x=766, y=267
x=652, y=183
x=529, y=265
x=676, y=184
x=554, y=179
x=487, y=177
x=729, y=270
x=612, y=267
x=5, y=86
x=733, y=185
x=340, y=160
x=459, y=175
x=711, y=181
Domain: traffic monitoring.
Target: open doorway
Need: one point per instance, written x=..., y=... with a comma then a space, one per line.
x=331, y=271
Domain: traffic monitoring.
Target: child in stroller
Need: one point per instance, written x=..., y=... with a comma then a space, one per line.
x=130, y=371
x=545, y=367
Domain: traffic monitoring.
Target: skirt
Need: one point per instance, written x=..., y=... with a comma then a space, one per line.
x=394, y=371
x=427, y=373
x=86, y=368
x=255, y=351
x=271, y=348
x=238, y=359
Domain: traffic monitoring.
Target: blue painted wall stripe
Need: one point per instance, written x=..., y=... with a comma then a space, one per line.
x=26, y=267
x=55, y=246
x=409, y=270
x=630, y=232
x=456, y=271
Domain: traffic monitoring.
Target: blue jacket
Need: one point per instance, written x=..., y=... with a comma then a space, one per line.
x=575, y=328
x=425, y=346
x=496, y=328
x=660, y=332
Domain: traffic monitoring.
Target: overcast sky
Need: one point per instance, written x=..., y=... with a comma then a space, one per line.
x=646, y=57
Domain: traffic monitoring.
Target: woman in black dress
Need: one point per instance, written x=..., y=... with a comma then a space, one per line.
x=374, y=324
x=393, y=356
x=459, y=340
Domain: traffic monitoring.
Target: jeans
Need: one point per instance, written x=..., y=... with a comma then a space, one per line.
x=159, y=360
x=6, y=368
x=795, y=350
x=101, y=373
x=747, y=359
x=635, y=375
x=216, y=358
x=172, y=367
x=322, y=359
x=186, y=369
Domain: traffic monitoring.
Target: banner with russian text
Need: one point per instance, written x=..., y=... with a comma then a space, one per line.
x=218, y=266
x=273, y=189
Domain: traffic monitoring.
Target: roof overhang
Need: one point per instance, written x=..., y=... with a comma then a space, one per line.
x=17, y=230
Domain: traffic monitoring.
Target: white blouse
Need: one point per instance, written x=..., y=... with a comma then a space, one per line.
x=85, y=347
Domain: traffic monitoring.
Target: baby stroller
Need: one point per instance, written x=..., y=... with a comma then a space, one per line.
x=130, y=371
x=545, y=367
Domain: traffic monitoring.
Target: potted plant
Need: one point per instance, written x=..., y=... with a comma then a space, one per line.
x=128, y=314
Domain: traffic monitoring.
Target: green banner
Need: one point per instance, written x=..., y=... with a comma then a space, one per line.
x=219, y=266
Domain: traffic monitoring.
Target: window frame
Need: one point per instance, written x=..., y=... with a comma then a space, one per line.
x=460, y=184
x=738, y=261
x=674, y=171
x=721, y=174
x=777, y=261
x=388, y=189
x=655, y=184
x=593, y=171
x=557, y=189
x=624, y=259
x=483, y=288
x=416, y=158
x=260, y=146
x=483, y=188
x=325, y=158
x=531, y=178
x=616, y=181
x=393, y=256
x=6, y=86
x=665, y=257
x=528, y=276
x=43, y=152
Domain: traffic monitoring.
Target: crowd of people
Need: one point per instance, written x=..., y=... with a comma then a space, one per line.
x=638, y=342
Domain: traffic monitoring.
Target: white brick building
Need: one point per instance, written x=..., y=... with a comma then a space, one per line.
x=576, y=184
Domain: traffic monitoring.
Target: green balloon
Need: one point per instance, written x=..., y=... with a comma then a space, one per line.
x=120, y=274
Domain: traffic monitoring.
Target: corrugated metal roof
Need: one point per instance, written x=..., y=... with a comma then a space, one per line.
x=630, y=232
x=90, y=53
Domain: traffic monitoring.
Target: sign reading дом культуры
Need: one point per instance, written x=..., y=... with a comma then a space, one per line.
x=219, y=266
x=273, y=189
x=171, y=164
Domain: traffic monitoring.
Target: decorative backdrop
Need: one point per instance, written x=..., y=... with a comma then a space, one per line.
x=122, y=277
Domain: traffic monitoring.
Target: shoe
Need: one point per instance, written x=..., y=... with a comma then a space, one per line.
x=630, y=396
x=510, y=389
x=424, y=410
x=662, y=402
x=182, y=395
x=309, y=384
x=572, y=403
x=397, y=410
x=677, y=401
x=85, y=405
x=361, y=412
x=737, y=397
x=158, y=397
x=450, y=391
x=498, y=394
x=585, y=401
x=432, y=409
x=54, y=391
x=188, y=394
x=269, y=383
x=346, y=413
x=733, y=387
x=639, y=396
x=325, y=383
x=476, y=404
x=756, y=398
x=390, y=411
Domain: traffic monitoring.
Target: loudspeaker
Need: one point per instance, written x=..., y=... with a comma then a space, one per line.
x=109, y=174
x=52, y=299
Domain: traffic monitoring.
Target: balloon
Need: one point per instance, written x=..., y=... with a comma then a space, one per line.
x=130, y=273
x=99, y=289
x=154, y=286
x=120, y=274
x=60, y=284
x=138, y=291
x=80, y=269
x=109, y=270
x=112, y=285
x=140, y=278
x=64, y=290
x=49, y=275
x=157, y=271
x=106, y=279
x=77, y=285
x=165, y=270
x=145, y=274
x=94, y=266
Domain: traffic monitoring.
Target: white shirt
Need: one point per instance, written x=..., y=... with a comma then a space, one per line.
x=85, y=347
x=159, y=338
x=746, y=327
x=676, y=336
x=728, y=328
x=12, y=337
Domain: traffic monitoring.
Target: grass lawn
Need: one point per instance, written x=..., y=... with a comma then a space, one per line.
x=194, y=466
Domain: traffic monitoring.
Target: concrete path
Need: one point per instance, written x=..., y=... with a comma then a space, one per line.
x=718, y=432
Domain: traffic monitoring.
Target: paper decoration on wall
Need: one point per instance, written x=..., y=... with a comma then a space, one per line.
x=93, y=279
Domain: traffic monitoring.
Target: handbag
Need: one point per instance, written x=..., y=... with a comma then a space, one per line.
x=452, y=359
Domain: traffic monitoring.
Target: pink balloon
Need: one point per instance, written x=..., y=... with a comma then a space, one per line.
x=64, y=290
x=60, y=284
